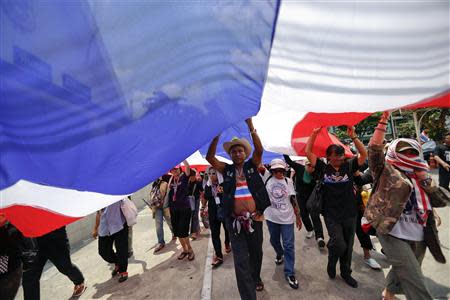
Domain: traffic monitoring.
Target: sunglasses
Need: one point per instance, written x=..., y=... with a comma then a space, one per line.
x=278, y=170
x=210, y=174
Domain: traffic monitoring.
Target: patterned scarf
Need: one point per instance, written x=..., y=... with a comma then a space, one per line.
x=244, y=221
x=408, y=164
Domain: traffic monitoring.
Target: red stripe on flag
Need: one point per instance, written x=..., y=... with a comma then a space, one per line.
x=440, y=100
x=324, y=139
x=33, y=221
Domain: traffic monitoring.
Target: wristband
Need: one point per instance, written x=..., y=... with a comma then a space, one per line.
x=383, y=123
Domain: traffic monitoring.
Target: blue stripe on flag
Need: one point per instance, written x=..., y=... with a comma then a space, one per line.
x=130, y=89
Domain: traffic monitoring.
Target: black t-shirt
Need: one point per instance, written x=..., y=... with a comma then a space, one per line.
x=443, y=151
x=195, y=192
x=338, y=194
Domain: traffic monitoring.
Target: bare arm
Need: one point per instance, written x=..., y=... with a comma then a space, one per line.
x=97, y=223
x=310, y=144
x=258, y=152
x=187, y=168
x=439, y=161
x=211, y=156
x=203, y=200
x=163, y=189
x=362, y=151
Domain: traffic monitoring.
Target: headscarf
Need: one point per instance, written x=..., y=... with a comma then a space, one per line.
x=407, y=164
x=219, y=176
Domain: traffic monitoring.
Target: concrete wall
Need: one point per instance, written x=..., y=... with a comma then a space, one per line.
x=80, y=232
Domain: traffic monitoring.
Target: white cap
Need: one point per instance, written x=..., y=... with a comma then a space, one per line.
x=277, y=163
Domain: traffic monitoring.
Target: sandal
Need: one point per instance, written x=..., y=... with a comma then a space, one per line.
x=217, y=261
x=182, y=255
x=191, y=255
x=78, y=290
x=227, y=248
x=259, y=286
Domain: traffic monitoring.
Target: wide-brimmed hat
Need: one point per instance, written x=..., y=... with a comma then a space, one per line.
x=238, y=142
x=277, y=163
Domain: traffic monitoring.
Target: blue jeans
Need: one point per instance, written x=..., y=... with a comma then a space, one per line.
x=286, y=233
x=159, y=225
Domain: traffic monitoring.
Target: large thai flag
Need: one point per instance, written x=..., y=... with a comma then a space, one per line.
x=99, y=98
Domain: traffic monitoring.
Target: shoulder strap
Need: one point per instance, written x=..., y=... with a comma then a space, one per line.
x=265, y=183
x=193, y=189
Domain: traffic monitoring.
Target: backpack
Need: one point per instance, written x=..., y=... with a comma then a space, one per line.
x=265, y=183
x=156, y=198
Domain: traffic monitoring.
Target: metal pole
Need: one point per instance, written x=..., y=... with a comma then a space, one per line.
x=416, y=126
x=394, y=131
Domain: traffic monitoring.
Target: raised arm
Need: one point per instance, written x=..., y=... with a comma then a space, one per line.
x=297, y=167
x=376, y=155
x=380, y=130
x=258, y=152
x=211, y=156
x=187, y=168
x=362, y=151
x=310, y=145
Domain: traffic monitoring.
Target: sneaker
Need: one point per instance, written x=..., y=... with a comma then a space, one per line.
x=279, y=260
x=320, y=243
x=350, y=281
x=331, y=270
x=123, y=276
x=309, y=234
x=372, y=263
x=158, y=248
x=293, y=283
x=78, y=290
x=115, y=271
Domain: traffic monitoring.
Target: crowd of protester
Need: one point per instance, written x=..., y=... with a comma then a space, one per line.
x=238, y=198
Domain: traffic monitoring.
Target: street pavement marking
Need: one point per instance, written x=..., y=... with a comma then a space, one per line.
x=207, y=277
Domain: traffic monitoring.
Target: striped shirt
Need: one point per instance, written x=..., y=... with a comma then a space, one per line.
x=243, y=200
x=242, y=192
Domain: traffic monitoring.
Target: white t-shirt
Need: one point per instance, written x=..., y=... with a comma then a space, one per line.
x=280, y=190
x=407, y=226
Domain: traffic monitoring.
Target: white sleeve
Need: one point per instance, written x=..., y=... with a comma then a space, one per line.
x=291, y=188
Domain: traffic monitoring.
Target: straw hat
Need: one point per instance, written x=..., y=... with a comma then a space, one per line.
x=238, y=142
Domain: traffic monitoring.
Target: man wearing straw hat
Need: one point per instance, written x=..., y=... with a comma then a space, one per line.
x=244, y=199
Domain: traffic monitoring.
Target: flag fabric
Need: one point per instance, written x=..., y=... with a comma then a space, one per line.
x=99, y=98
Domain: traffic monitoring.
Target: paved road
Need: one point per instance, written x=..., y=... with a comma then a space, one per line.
x=162, y=276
